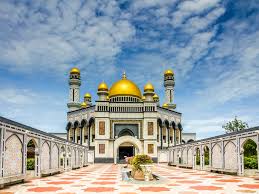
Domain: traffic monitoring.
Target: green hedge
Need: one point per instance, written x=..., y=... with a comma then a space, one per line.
x=139, y=160
x=250, y=162
x=30, y=163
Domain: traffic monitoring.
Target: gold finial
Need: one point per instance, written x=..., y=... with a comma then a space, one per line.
x=124, y=75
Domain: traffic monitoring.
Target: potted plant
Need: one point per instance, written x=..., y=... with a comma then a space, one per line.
x=138, y=160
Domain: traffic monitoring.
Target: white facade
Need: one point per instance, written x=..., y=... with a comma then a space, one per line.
x=123, y=123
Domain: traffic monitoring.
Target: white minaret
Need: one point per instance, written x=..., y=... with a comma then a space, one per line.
x=103, y=92
x=169, y=88
x=74, y=90
x=149, y=92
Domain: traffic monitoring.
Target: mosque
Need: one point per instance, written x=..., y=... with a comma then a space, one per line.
x=124, y=121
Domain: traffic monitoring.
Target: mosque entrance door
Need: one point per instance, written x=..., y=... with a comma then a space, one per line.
x=125, y=150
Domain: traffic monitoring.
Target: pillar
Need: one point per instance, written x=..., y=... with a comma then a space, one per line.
x=174, y=136
x=74, y=135
x=89, y=135
x=201, y=158
x=50, y=155
x=161, y=136
x=40, y=153
x=257, y=143
x=81, y=135
x=168, y=138
x=180, y=136
x=2, y=132
x=24, y=155
x=223, y=154
x=210, y=155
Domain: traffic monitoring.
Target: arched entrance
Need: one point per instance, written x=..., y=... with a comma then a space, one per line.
x=126, y=149
x=126, y=145
x=32, y=159
x=250, y=159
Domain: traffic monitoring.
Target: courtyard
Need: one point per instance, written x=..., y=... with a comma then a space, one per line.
x=106, y=178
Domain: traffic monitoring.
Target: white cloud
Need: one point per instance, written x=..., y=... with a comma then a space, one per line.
x=233, y=81
x=44, y=36
x=188, y=8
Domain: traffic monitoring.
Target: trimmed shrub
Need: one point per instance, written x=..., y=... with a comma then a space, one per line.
x=30, y=163
x=140, y=160
x=250, y=162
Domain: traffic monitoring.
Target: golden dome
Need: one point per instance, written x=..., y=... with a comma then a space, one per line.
x=124, y=87
x=83, y=105
x=169, y=72
x=103, y=87
x=75, y=70
x=165, y=105
x=87, y=95
x=143, y=98
x=156, y=97
x=107, y=98
x=149, y=87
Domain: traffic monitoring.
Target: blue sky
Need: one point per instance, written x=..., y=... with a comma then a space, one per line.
x=212, y=46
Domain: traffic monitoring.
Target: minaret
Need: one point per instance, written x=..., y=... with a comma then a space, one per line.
x=149, y=92
x=74, y=89
x=169, y=88
x=88, y=99
x=103, y=92
x=156, y=99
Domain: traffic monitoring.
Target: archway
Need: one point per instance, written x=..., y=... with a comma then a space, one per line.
x=206, y=156
x=62, y=157
x=126, y=150
x=198, y=154
x=250, y=157
x=31, y=159
x=126, y=132
x=126, y=141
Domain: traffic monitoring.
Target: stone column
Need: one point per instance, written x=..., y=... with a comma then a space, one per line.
x=81, y=135
x=201, y=158
x=161, y=136
x=50, y=155
x=39, y=157
x=2, y=131
x=89, y=135
x=222, y=154
x=180, y=136
x=174, y=136
x=65, y=158
x=24, y=155
x=239, y=156
x=68, y=131
x=210, y=155
x=74, y=135
x=168, y=136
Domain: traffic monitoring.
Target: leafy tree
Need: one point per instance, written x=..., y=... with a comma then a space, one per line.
x=235, y=125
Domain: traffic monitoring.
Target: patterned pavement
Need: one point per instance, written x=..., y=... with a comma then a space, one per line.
x=106, y=178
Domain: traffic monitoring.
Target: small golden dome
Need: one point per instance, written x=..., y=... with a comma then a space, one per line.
x=169, y=72
x=143, y=98
x=155, y=97
x=87, y=95
x=107, y=98
x=149, y=87
x=165, y=105
x=75, y=70
x=103, y=87
x=125, y=87
x=83, y=105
